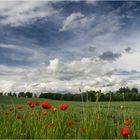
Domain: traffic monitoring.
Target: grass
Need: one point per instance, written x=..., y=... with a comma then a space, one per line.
x=89, y=120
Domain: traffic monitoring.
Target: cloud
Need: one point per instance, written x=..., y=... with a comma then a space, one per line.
x=76, y=21
x=110, y=56
x=128, y=49
x=88, y=52
x=56, y=76
x=17, y=13
x=92, y=49
x=91, y=2
x=60, y=76
x=21, y=54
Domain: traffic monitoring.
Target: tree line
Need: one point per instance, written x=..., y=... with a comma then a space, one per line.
x=122, y=94
x=20, y=94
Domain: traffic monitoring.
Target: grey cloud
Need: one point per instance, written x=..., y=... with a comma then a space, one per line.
x=91, y=48
x=128, y=49
x=110, y=56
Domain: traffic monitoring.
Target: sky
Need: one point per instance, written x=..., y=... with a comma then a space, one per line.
x=61, y=46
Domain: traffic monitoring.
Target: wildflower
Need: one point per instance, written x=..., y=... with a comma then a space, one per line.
x=127, y=122
x=6, y=113
x=11, y=109
x=19, y=107
x=23, y=121
x=126, y=132
x=53, y=109
x=44, y=113
x=46, y=105
x=18, y=117
x=69, y=123
x=121, y=106
x=36, y=103
x=31, y=115
x=82, y=130
x=32, y=106
x=38, y=115
x=50, y=125
x=44, y=126
x=98, y=117
x=29, y=103
x=64, y=106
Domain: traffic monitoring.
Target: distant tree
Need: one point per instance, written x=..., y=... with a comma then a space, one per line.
x=14, y=94
x=57, y=96
x=123, y=93
x=1, y=93
x=68, y=97
x=28, y=94
x=9, y=94
x=134, y=90
x=21, y=94
x=35, y=95
x=124, y=90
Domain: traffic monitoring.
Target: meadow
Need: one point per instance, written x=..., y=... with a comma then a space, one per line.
x=76, y=120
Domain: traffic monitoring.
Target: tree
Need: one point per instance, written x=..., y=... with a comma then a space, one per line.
x=21, y=94
x=9, y=94
x=28, y=94
x=14, y=94
x=35, y=95
x=134, y=90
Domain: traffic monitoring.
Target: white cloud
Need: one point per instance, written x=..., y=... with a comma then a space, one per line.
x=59, y=76
x=17, y=13
x=76, y=21
x=91, y=2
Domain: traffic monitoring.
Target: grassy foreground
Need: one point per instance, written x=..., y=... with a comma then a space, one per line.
x=88, y=120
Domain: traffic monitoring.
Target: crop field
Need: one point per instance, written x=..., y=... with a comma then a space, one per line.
x=24, y=118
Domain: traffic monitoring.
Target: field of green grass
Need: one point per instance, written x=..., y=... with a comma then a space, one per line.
x=81, y=120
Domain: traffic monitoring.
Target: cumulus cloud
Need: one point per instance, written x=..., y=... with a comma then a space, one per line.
x=60, y=76
x=57, y=76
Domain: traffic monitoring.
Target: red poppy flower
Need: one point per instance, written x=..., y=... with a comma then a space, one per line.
x=50, y=125
x=32, y=106
x=44, y=113
x=46, y=105
x=64, y=106
x=18, y=117
x=53, y=109
x=19, y=107
x=36, y=103
x=126, y=132
x=29, y=103
x=127, y=122
x=69, y=123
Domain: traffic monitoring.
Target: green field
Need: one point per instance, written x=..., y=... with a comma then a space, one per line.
x=88, y=120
